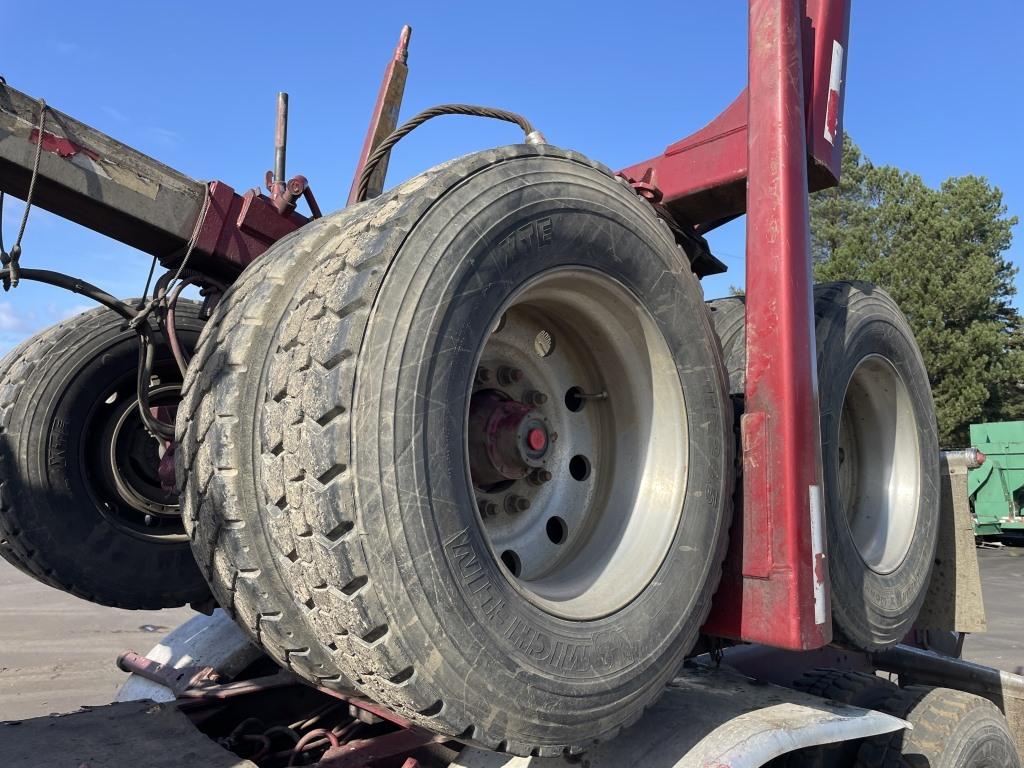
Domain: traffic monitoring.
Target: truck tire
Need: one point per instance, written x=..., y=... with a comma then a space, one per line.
x=952, y=729
x=879, y=453
x=728, y=316
x=336, y=506
x=8, y=548
x=856, y=689
x=78, y=476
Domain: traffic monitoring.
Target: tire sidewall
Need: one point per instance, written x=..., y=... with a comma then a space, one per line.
x=464, y=259
x=981, y=741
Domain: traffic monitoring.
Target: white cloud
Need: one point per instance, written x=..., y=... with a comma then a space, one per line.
x=10, y=321
x=76, y=309
x=164, y=136
x=115, y=113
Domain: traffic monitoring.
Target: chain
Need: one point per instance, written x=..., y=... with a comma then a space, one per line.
x=11, y=260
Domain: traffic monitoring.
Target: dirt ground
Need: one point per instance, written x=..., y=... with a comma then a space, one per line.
x=57, y=652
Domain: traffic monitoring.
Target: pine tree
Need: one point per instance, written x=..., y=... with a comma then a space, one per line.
x=940, y=254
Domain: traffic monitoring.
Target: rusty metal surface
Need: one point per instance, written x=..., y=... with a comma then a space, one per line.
x=123, y=735
x=384, y=118
x=954, y=601
x=238, y=228
x=364, y=753
x=177, y=679
x=775, y=587
x=213, y=641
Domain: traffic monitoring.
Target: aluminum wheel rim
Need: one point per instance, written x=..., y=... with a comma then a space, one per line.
x=879, y=464
x=603, y=504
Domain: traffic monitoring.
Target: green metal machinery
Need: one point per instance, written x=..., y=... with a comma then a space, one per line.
x=996, y=485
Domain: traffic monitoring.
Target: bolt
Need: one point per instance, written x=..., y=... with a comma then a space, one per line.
x=539, y=477
x=483, y=375
x=148, y=520
x=509, y=375
x=514, y=503
x=533, y=397
x=487, y=508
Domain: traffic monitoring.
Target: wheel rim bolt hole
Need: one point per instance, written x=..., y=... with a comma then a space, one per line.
x=579, y=467
x=576, y=398
x=512, y=562
x=557, y=530
x=573, y=400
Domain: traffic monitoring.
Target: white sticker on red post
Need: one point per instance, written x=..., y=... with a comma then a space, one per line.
x=817, y=553
x=835, y=83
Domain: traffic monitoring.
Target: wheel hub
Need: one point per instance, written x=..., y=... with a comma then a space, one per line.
x=507, y=438
x=133, y=472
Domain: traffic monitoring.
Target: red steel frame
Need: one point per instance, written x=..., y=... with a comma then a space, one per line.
x=780, y=139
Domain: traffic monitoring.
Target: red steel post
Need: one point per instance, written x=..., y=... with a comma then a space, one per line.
x=781, y=446
x=783, y=584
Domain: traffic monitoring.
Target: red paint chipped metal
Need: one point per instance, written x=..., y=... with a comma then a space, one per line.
x=60, y=145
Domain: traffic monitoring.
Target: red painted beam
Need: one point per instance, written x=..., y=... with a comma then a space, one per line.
x=702, y=178
x=779, y=596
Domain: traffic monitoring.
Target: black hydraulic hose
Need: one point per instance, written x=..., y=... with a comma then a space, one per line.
x=146, y=355
x=129, y=313
x=76, y=285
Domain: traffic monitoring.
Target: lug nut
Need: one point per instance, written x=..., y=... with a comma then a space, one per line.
x=509, y=375
x=514, y=503
x=539, y=477
x=487, y=508
x=483, y=375
x=533, y=397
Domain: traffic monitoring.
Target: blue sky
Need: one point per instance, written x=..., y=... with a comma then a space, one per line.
x=933, y=87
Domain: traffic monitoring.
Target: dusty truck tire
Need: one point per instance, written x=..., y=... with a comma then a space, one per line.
x=857, y=689
x=75, y=477
x=951, y=729
x=880, y=457
x=330, y=487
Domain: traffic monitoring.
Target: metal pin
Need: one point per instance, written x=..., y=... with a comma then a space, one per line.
x=280, y=137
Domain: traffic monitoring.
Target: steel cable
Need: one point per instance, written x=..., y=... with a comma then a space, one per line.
x=382, y=150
